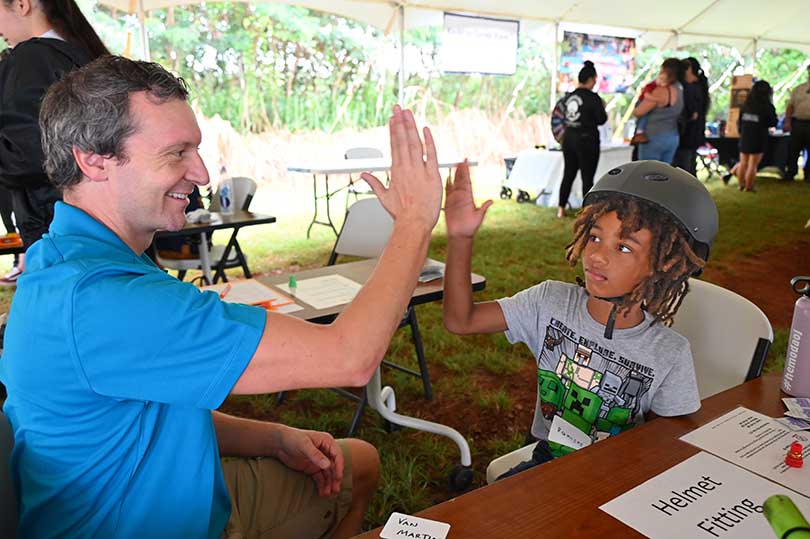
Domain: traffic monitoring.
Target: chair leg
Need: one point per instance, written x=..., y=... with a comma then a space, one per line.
x=280, y=397
x=358, y=414
x=181, y=274
x=420, y=353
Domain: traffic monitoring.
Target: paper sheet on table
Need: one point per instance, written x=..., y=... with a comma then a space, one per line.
x=757, y=443
x=252, y=292
x=325, y=292
x=703, y=496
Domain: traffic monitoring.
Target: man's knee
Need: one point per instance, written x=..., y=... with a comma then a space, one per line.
x=365, y=465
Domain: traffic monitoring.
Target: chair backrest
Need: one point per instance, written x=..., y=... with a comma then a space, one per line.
x=243, y=191
x=729, y=336
x=8, y=500
x=363, y=153
x=365, y=230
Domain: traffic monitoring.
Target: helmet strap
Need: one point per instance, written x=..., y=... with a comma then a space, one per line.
x=611, y=321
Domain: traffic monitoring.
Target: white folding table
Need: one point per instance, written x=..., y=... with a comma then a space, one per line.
x=345, y=167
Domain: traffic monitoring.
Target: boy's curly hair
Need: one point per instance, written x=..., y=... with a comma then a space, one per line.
x=672, y=257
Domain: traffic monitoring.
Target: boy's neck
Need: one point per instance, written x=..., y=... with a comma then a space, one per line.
x=599, y=310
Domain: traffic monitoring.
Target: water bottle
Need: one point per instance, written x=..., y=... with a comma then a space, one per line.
x=226, y=205
x=796, y=379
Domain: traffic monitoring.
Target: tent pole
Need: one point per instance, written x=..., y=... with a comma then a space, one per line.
x=144, y=37
x=401, y=92
x=555, y=61
x=754, y=47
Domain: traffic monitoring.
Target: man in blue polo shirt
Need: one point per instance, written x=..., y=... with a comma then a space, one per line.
x=113, y=368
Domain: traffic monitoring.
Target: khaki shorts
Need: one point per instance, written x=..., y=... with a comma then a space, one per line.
x=270, y=500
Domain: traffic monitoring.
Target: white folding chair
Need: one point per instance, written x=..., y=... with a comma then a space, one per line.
x=358, y=188
x=243, y=191
x=729, y=337
x=8, y=499
x=365, y=233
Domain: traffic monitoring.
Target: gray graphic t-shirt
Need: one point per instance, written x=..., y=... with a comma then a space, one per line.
x=589, y=387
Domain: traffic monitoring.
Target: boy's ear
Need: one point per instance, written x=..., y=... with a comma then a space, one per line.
x=92, y=165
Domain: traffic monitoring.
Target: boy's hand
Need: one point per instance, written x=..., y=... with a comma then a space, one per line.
x=460, y=213
x=415, y=192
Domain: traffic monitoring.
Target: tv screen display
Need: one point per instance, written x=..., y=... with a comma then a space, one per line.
x=614, y=59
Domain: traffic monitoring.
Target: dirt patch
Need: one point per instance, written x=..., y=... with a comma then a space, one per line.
x=764, y=278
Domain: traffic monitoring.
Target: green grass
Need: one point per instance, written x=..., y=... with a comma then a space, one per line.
x=475, y=378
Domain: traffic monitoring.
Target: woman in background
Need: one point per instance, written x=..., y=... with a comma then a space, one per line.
x=663, y=111
x=584, y=112
x=47, y=39
x=757, y=115
x=696, y=104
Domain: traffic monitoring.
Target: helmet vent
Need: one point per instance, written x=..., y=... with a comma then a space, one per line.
x=656, y=177
x=615, y=171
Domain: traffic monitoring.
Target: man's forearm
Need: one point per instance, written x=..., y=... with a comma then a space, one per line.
x=238, y=437
x=380, y=305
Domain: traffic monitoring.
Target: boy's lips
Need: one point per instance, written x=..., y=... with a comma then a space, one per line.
x=595, y=275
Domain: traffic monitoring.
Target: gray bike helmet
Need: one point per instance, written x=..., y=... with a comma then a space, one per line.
x=671, y=189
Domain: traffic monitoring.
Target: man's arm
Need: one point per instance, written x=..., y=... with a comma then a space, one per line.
x=296, y=354
x=463, y=219
x=313, y=453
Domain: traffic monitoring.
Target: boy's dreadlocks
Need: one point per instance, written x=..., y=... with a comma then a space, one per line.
x=672, y=257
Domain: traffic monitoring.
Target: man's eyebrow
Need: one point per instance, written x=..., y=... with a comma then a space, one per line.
x=632, y=237
x=176, y=146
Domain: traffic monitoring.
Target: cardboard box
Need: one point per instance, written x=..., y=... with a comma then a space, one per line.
x=740, y=88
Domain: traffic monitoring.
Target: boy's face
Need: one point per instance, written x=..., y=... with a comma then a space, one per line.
x=613, y=264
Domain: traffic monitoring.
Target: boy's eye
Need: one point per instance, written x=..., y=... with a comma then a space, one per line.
x=625, y=249
x=594, y=239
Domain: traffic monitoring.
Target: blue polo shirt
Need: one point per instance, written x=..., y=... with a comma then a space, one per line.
x=112, y=369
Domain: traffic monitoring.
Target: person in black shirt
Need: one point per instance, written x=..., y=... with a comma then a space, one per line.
x=756, y=115
x=584, y=112
x=696, y=105
x=47, y=39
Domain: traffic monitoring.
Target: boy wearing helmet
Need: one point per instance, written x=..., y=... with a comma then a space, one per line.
x=605, y=356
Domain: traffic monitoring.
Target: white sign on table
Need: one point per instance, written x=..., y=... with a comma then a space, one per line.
x=702, y=497
x=757, y=443
x=325, y=292
x=401, y=526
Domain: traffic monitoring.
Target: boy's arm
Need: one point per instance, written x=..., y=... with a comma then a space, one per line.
x=461, y=315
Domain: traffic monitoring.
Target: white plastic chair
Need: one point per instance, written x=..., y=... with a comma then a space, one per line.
x=729, y=337
x=358, y=188
x=243, y=191
x=8, y=499
x=365, y=233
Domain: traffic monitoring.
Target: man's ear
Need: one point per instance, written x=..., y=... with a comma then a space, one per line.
x=92, y=165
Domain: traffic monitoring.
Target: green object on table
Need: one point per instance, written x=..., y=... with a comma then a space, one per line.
x=785, y=518
x=292, y=285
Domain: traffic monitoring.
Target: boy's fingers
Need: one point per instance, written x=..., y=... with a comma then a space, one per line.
x=485, y=206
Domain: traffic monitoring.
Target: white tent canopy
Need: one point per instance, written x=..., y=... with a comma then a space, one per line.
x=745, y=24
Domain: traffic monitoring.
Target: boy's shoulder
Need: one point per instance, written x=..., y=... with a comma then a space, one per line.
x=664, y=337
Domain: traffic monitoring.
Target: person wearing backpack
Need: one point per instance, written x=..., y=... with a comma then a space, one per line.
x=584, y=112
x=47, y=39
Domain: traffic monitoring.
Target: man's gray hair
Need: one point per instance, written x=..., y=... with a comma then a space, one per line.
x=89, y=110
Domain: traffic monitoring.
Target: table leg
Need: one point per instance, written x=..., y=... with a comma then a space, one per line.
x=328, y=196
x=205, y=260
x=383, y=400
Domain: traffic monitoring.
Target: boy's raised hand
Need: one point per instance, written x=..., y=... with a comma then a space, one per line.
x=414, y=194
x=460, y=213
